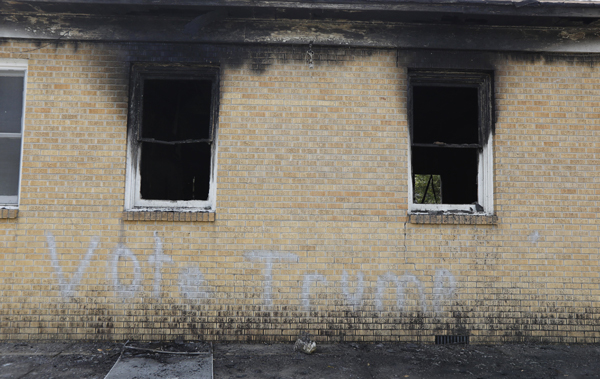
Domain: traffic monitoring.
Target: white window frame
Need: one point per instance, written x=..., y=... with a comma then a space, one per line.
x=15, y=68
x=139, y=73
x=485, y=170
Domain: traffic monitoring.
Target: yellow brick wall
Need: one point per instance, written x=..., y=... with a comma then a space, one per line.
x=311, y=230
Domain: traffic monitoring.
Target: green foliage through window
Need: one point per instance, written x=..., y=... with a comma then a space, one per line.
x=428, y=189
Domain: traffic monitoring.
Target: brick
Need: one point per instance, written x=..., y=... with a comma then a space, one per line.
x=312, y=185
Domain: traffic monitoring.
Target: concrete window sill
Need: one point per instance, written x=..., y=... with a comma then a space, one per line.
x=169, y=216
x=8, y=213
x=457, y=219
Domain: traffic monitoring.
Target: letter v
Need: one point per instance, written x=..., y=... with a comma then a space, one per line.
x=67, y=289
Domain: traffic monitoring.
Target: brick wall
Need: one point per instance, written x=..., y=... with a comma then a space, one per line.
x=311, y=230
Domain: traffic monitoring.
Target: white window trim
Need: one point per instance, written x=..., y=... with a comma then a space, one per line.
x=485, y=180
x=18, y=68
x=133, y=200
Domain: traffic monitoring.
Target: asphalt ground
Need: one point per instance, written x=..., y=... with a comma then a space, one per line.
x=87, y=360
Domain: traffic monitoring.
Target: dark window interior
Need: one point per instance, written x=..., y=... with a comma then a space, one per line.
x=176, y=139
x=445, y=114
x=175, y=172
x=446, y=140
x=11, y=110
x=10, y=158
x=456, y=167
x=11, y=104
x=176, y=110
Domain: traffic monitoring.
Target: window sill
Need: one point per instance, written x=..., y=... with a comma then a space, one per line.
x=453, y=218
x=9, y=213
x=169, y=216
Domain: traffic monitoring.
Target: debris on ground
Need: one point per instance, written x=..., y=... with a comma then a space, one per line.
x=159, y=360
x=407, y=360
x=305, y=344
x=355, y=360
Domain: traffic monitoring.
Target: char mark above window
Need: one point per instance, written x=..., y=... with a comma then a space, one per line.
x=173, y=114
x=450, y=124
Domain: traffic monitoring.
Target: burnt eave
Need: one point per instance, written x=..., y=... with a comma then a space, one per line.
x=534, y=27
x=522, y=8
x=324, y=33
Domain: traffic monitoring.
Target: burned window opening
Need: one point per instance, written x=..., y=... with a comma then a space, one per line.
x=172, y=136
x=450, y=127
x=175, y=130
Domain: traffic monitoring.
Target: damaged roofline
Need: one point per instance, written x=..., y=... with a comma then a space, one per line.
x=324, y=33
x=540, y=8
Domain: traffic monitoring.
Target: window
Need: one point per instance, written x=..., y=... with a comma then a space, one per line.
x=12, y=100
x=450, y=116
x=172, y=137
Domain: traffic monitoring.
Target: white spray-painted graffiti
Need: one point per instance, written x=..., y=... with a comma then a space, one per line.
x=126, y=290
x=191, y=282
x=534, y=237
x=157, y=261
x=67, y=287
x=441, y=291
x=268, y=258
x=356, y=298
x=401, y=284
x=309, y=279
x=193, y=286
